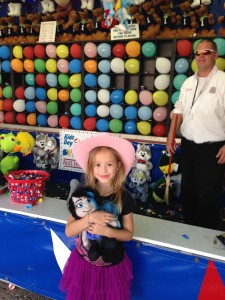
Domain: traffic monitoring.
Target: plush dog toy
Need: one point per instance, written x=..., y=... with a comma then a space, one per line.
x=142, y=161
x=83, y=201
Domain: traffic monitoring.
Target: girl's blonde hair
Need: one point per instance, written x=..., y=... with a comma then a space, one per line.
x=118, y=180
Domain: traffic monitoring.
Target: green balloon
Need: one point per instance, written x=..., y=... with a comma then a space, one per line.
x=52, y=107
x=116, y=125
x=75, y=95
x=39, y=65
x=75, y=109
x=220, y=43
x=7, y=91
x=179, y=80
x=0, y=78
x=196, y=44
x=63, y=80
x=148, y=49
x=29, y=78
x=175, y=97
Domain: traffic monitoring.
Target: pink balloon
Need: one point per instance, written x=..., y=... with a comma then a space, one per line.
x=145, y=97
x=160, y=113
x=51, y=51
x=90, y=50
x=53, y=121
x=41, y=106
x=1, y=116
x=63, y=65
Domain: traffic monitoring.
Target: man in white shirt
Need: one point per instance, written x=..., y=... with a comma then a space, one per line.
x=200, y=110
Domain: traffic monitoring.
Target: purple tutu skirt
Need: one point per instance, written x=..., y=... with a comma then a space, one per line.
x=82, y=280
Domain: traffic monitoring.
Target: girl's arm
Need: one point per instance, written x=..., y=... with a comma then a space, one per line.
x=76, y=226
x=124, y=234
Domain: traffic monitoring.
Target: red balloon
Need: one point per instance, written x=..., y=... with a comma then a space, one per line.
x=7, y=104
x=64, y=121
x=75, y=51
x=90, y=124
x=9, y=117
x=119, y=50
x=184, y=47
x=159, y=130
x=39, y=51
x=40, y=79
x=28, y=52
x=19, y=92
x=21, y=118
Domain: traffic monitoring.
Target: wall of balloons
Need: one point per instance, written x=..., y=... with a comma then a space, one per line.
x=122, y=87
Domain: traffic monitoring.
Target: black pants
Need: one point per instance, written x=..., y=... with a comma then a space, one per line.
x=202, y=183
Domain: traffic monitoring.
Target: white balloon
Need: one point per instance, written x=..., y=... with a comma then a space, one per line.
x=103, y=111
x=104, y=95
x=162, y=82
x=117, y=65
x=163, y=65
x=19, y=105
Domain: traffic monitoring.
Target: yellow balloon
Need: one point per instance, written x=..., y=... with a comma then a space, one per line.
x=132, y=66
x=194, y=66
x=220, y=63
x=51, y=65
x=160, y=98
x=62, y=51
x=144, y=127
x=75, y=80
x=18, y=51
x=52, y=94
x=131, y=97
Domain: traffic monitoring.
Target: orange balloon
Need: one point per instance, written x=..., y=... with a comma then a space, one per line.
x=28, y=65
x=1, y=104
x=17, y=65
x=64, y=95
x=90, y=66
x=32, y=119
x=133, y=48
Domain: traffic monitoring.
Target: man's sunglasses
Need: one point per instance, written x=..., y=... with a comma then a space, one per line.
x=204, y=52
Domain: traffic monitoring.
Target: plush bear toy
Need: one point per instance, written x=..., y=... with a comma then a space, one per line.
x=168, y=21
x=205, y=22
x=99, y=33
x=84, y=201
x=186, y=21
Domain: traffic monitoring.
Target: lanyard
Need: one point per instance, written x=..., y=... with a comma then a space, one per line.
x=194, y=97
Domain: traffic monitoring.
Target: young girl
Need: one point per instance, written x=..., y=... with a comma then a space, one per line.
x=106, y=160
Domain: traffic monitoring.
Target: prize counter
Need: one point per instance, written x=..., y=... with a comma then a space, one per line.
x=171, y=260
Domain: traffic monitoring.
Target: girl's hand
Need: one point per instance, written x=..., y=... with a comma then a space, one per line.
x=101, y=218
x=98, y=229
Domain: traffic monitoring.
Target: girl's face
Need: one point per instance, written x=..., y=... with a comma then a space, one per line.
x=83, y=205
x=105, y=166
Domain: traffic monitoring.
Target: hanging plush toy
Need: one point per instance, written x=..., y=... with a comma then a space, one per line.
x=25, y=143
x=197, y=3
x=82, y=202
x=87, y=4
x=48, y=6
x=122, y=14
x=109, y=12
x=15, y=8
x=142, y=160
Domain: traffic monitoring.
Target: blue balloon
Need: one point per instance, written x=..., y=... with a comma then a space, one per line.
x=29, y=93
x=75, y=66
x=75, y=123
x=4, y=52
x=90, y=110
x=182, y=65
x=104, y=81
x=90, y=80
x=116, y=111
x=130, y=112
x=104, y=50
x=51, y=79
x=30, y=106
x=30, y=79
x=91, y=96
x=117, y=96
x=104, y=66
x=130, y=127
x=145, y=113
x=41, y=93
x=42, y=120
x=102, y=125
x=6, y=66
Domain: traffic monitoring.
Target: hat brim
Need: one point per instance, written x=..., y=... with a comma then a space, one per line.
x=122, y=146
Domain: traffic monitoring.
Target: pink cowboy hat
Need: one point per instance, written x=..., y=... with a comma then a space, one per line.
x=123, y=147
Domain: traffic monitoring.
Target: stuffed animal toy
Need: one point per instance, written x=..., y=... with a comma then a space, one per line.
x=87, y=4
x=25, y=143
x=109, y=12
x=122, y=15
x=9, y=163
x=15, y=8
x=158, y=190
x=186, y=21
x=62, y=9
x=99, y=33
x=164, y=163
x=52, y=150
x=205, y=22
x=8, y=142
x=82, y=202
x=48, y=6
x=196, y=3
x=39, y=152
x=168, y=21
x=221, y=21
x=86, y=26
x=140, y=184
x=142, y=160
